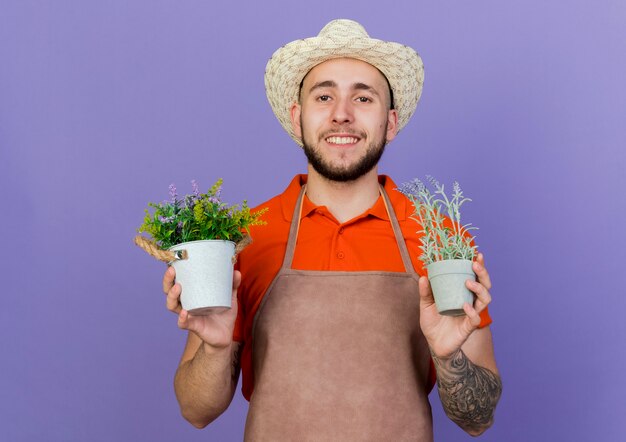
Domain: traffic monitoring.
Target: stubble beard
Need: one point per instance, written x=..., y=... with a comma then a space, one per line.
x=373, y=154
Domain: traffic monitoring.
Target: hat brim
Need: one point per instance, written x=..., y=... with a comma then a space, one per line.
x=289, y=65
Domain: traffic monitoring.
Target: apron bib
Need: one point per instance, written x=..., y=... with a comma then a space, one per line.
x=340, y=356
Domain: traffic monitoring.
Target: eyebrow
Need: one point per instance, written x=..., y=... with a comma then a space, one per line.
x=332, y=84
x=364, y=87
x=323, y=84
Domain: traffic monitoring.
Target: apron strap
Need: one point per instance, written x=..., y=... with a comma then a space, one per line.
x=404, y=251
x=295, y=227
x=293, y=231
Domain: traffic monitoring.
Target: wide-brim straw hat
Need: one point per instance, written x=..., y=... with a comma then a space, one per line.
x=342, y=38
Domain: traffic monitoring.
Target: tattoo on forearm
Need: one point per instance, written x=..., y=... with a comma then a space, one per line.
x=469, y=393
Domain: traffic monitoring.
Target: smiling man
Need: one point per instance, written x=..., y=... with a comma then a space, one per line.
x=333, y=323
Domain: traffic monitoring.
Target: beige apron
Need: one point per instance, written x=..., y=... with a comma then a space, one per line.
x=339, y=356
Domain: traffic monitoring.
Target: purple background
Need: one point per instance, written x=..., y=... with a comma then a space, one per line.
x=104, y=103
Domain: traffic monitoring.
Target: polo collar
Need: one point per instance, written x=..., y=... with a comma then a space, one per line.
x=289, y=198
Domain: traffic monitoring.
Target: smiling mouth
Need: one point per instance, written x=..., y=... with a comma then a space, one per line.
x=342, y=140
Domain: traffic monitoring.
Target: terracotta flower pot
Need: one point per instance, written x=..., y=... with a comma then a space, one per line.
x=206, y=276
x=447, y=280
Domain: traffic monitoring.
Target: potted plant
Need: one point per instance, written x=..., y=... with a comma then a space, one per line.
x=447, y=246
x=200, y=236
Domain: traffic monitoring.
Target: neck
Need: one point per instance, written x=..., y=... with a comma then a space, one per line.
x=345, y=200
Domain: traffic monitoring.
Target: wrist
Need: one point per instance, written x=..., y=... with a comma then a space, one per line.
x=444, y=356
x=215, y=350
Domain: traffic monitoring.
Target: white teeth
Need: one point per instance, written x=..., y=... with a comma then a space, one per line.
x=342, y=140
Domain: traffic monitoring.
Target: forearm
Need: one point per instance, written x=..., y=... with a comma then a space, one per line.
x=205, y=384
x=469, y=393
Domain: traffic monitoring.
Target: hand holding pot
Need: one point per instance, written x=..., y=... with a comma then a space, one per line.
x=446, y=334
x=215, y=327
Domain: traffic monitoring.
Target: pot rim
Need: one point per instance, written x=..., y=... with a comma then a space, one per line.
x=202, y=240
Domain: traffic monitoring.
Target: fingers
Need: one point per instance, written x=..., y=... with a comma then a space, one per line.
x=483, y=297
x=189, y=322
x=481, y=289
x=236, y=279
x=482, y=286
x=183, y=320
x=481, y=272
x=426, y=294
x=172, y=290
x=236, y=283
x=480, y=258
x=172, y=301
x=473, y=318
x=168, y=279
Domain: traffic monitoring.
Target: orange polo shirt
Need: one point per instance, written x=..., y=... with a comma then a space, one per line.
x=363, y=243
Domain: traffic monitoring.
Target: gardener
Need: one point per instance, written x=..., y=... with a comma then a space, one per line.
x=336, y=338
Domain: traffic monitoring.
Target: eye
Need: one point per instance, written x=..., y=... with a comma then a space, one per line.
x=323, y=98
x=364, y=99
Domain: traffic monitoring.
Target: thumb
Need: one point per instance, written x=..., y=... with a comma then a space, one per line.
x=183, y=319
x=236, y=279
x=426, y=293
x=236, y=284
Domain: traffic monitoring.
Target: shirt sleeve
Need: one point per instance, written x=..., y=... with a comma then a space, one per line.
x=485, y=318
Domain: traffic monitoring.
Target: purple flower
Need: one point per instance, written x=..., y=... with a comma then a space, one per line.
x=166, y=219
x=433, y=181
x=214, y=200
x=173, y=193
x=194, y=186
x=414, y=187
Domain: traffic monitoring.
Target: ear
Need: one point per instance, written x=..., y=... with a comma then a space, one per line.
x=295, y=111
x=392, y=124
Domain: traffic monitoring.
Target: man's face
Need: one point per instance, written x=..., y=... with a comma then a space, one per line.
x=343, y=118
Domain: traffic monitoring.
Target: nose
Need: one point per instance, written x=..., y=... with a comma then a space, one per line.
x=342, y=111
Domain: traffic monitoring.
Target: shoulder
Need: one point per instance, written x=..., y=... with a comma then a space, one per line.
x=273, y=219
x=402, y=206
x=277, y=219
